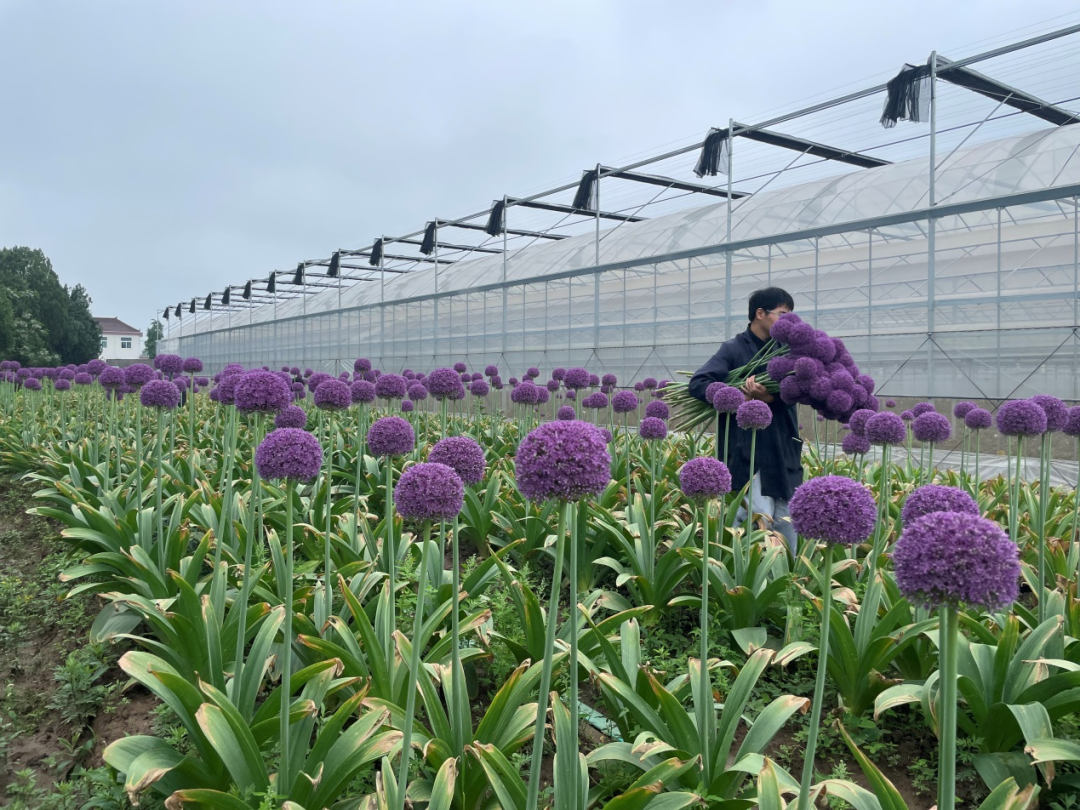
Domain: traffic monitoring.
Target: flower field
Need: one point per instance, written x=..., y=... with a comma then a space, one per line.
x=375, y=590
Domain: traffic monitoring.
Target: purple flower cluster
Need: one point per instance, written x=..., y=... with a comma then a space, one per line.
x=931, y=498
x=463, y=454
x=159, y=394
x=62, y=384
x=855, y=444
x=652, y=428
x=333, y=395
x=1021, y=417
x=954, y=559
x=391, y=386
x=1072, y=422
x=289, y=453
x=596, y=401
x=563, y=460
x=111, y=377
x=833, y=509
x=261, y=392
x=565, y=413
x=704, y=478
x=753, y=415
x=292, y=416
x=931, y=427
x=526, y=393
x=391, y=436
x=138, y=375
x=657, y=408
x=885, y=428
x=857, y=421
x=978, y=419
x=624, y=402
x=1057, y=412
x=726, y=399
x=444, y=383
x=192, y=365
x=479, y=388
x=963, y=408
x=169, y=364
x=429, y=491
x=362, y=392
x=576, y=379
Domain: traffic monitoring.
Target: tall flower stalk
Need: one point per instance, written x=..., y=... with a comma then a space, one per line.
x=162, y=396
x=1019, y=418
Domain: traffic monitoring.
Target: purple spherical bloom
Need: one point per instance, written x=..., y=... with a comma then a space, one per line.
x=82, y=378
x=808, y=368
x=334, y=395
x=639, y=387
x=526, y=393
x=839, y=402
x=907, y=416
x=491, y=371
x=138, y=374
x=885, y=428
x=317, y=379
x=658, y=408
x=32, y=384
x=978, y=419
x=463, y=455
x=362, y=392
x=543, y=396
x=956, y=559
x=476, y=375
x=704, y=478
x=479, y=388
x=753, y=415
x=624, y=402
x=594, y=380
x=407, y=406
x=932, y=427
x=159, y=394
x=576, y=378
x=429, y=491
x=215, y=395
x=171, y=364
x=855, y=444
x=609, y=379
x=459, y=367
x=261, y=392
x=391, y=386
x=1021, y=417
x=362, y=365
x=858, y=421
x=417, y=392
x=553, y=385
x=110, y=377
x=932, y=498
x=833, y=509
x=652, y=428
x=566, y=412
x=391, y=436
x=780, y=367
x=563, y=460
x=571, y=394
x=289, y=453
x=962, y=409
x=712, y=388
x=600, y=400
x=62, y=384
x=1057, y=412
x=782, y=328
x=890, y=403
x=558, y=374
x=66, y=374
x=1072, y=422
x=800, y=337
x=791, y=390
x=823, y=347
x=292, y=417
x=728, y=399
x=649, y=383
x=532, y=371
x=513, y=381
x=921, y=408
x=444, y=383
x=193, y=365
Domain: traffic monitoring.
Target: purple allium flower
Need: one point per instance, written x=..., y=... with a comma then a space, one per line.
x=460, y=367
x=1021, y=417
x=289, y=453
x=202, y=382
x=658, y=408
x=553, y=385
x=624, y=402
x=564, y=461
x=543, y=396
x=576, y=379
x=566, y=412
x=62, y=384
x=491, y=371
x=558, y=374
x=193, y=365
x=780, y=367
x=649, y=383
x=800, y=336
x=532, y=371
x=526, y=393
x=571, y=394
x=890, y=403
x=594, y=380
x=954, y=559
x=791, y=390
x=931, y=427
x=391, y=436
x=513, y=381
x=833, y=509
x=728, y=400
x=599, y=399
x=82, y=378
x=932, y=498
x=962, y=408
x=753, y=415
x=978, y=419
x=334, y=395
x=652, y=428
x=66, y=374
x=232, y=368
x=407, y=406
x=215, y=395
x=261, y=392
x=32, y=384
x=839, y=402
x=782, y=328
x=907, y=416
x=138, y=374
x=170, y=364
x=362, y=392
x=885, y=428
x=1072, y=422
x=429, y=491
x=444, y=383
x=463, y=455
x=609, y=379
x=362, y=365
x=712, y=388
x=391, y=386
x=704, y=478
x=479, y=388
x=292, y=416
x=159, y=394
x=921, y=408
x=417, y=392
x=858, y=421
x=639, y=387
x=317, y=379
x=808, y=368
x=855, y=444
x=1057, y=412
x=111, y=377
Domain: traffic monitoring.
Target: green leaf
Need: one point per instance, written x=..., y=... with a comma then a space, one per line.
x=882, y=788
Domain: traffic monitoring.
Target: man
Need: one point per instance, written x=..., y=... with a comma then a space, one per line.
x=778, y=453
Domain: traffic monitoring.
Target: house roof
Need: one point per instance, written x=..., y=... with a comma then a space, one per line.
x=115, y=326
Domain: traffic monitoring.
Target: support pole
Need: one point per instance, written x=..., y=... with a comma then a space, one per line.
x=931, y=243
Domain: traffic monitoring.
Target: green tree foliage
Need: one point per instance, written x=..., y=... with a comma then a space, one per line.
x=155, y=333
x=43, y=322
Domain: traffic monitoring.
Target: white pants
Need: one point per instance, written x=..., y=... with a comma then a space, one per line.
x=776, y=513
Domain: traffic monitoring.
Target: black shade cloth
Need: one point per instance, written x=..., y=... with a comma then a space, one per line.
x=497, y=219
x=271, y=283
x=427, y=247
x=225, y=296
x=247, y=291
x=907, y=96
x=209, y=302
x=298, y=278
x=713, y=157
x=191, y=308
x=335, y=265
x=179, y=311
x=166, y=313
x=778, y=453
x=376, y=253
x=585, y=197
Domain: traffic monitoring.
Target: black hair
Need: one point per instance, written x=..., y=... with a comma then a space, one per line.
x=769, y=298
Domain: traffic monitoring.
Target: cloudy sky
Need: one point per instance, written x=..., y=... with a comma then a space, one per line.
x=157, y=150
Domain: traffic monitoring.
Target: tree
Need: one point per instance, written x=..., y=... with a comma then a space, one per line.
x=81, y=341
x=155, y=333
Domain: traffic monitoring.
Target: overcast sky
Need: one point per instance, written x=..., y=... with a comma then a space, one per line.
x=157, y=150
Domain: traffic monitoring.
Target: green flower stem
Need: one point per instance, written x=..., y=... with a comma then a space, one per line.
x=361, y=444
x=390, y=559
x=576, y=521
x=1044, y=507
x=975, y=484
x=158, y=513
x=545, y=672
x=414, y=668
x=139, y=454
x=284, y=784
x=819, y=685
x=191, y=432
x=1075, y=533
x=254, y=534
x=328, y=562
x=1014, y=494
x=704, y=707
x=727, y=433
x=947, y=650
x=458, y=721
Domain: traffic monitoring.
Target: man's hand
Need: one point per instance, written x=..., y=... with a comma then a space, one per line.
x=755, y=390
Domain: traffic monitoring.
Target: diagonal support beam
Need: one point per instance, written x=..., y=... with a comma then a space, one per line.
x=509, y=231
x=445, y=246
x=569, y=209
x=669, y=182
x=814, y=148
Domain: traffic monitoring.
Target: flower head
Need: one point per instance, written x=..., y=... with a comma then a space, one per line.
x=289, y=453
x=138, y=374
x=558, y=374
x=649, y=383
x=261, y=392
x=1021, y=417
x=62, y=384
x=833, y=509
x=855, y=444
x=333, y=395
x=890, y=403
x=922, y=407
x=1072, y=422
x=32, y=384
x=192, y=365
x=362, y=392
x=652, y=428
x=417, y=391
x=946, y=558
x=564, y=461
x=111, y=377
x=962, y=408
x=726, y=399
x=293, y=416
x=391, y=436
x=753, y=415
x=491, y=371
x=429, y=491
x=526, y=393
x=460, y=367
x=463, y=454
x=857, y=421
x=391, y=386
x=159, y=394
x=624, y=402
x=931, y=427
x=82, y=378
x=931, y=498
x=885, y=428
x=907, y=416
x=479, y=388
x=781, y=330
x=363, y=365
x=566, y=412
x=978, y=419
x=1057, y=412
x=170, y=364
x=576, y=379
x=658, y=408
x=444, y=383
x=704, y=478
x=609, y=379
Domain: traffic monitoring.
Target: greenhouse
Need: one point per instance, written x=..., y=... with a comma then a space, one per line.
x=945, y=250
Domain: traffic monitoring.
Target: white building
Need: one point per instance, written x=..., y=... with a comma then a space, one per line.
x=119, y=341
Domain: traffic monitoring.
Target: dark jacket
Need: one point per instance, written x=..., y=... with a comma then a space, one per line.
x=778, y=453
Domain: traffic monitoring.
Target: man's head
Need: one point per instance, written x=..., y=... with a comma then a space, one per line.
x=766, y=306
